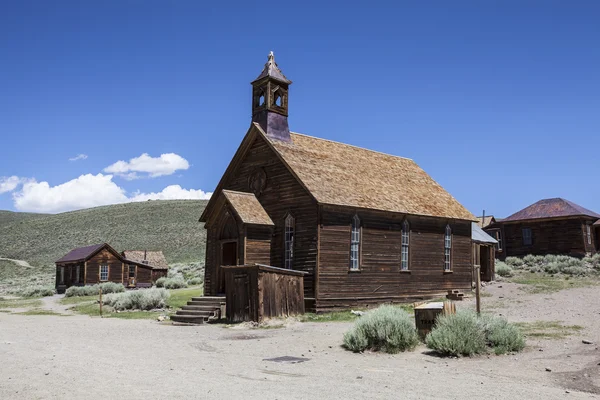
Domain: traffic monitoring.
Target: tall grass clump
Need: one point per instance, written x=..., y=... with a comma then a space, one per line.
x=37, y=291
x=195, y=282
x=94, y=290
x=503, y=269
x=465, y=333
x=387, y=328
x=160, y=282
x=514, y=262
x=143, y=299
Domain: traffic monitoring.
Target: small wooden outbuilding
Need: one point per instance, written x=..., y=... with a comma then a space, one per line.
x=484, y=253
x=101, y=263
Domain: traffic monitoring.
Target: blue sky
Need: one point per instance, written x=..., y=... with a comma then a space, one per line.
x=497, y=100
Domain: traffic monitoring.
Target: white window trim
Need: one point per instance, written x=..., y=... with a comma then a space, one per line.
x=289, y=234
x=448, y=249
x=355, y=243
x=107, y=272
x=405, y=247
x=589, y=234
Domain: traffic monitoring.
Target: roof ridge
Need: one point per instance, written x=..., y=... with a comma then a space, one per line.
x=238, y=192
x=354, y=146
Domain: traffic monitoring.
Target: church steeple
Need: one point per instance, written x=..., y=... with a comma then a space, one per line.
x=270, y=101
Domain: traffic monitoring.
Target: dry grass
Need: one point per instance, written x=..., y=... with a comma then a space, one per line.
x=548, y=329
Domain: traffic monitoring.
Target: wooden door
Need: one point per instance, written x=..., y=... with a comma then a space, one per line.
x=228, y=257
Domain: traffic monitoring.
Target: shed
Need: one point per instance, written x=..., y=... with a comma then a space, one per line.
x=484, y=253
x=257, y=292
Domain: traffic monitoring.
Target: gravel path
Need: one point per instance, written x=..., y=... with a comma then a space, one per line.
x=74, y=357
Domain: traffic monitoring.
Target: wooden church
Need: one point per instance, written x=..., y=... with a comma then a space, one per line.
x=366, y=227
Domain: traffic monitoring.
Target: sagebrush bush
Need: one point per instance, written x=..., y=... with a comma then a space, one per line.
x=514, y=262
x=142, y=299
x=174, y=283
x=554, y=264
x=94, y=290
x=194, y=281
x=37, y=291
x=457, y=334
x=160, y=282
x=503, y=269
x=387, y=328
x=465, y=333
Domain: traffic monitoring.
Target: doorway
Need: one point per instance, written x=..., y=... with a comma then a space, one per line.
x=228, y=257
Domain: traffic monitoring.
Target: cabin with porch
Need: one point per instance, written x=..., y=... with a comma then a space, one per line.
x=365, y=227
x=550, y=226
x=101, y=263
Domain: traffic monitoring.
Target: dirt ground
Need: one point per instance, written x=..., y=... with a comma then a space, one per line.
x=56, y=357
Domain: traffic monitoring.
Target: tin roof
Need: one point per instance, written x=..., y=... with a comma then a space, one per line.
x=551, y=208
x=480, y=236
x=81, y=253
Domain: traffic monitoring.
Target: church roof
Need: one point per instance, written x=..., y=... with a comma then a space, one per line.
x=247, y=207
x=551, y=208
x=272, y=70
x=340, y=174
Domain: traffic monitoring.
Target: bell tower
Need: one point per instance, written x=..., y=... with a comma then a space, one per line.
x=270, y=101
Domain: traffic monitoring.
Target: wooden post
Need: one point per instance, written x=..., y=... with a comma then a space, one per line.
x=100, y=302
x=478, y=288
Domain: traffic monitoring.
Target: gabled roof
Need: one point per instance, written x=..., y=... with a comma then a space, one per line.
x=154, y=259
x=551, y=208
x=247, y=207
x=489, y=219
x=81, y=253
x=340, y=174
x=272, y=70
x=478, y=235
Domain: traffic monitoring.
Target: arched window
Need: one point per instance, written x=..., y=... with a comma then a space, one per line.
x=405, y=244
x=448, y=249
x=355, y=244
x=289, y=241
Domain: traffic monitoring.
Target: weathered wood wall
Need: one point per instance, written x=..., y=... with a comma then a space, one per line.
x=255, y=292
x=258, y=245
x=551, y=236
x=115, y=267
x=380, y=278
x=281, y=195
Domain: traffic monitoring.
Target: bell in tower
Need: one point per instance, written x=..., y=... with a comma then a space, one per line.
x=270, y=101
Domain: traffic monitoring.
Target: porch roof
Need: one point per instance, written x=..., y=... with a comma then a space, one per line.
x=247, y=207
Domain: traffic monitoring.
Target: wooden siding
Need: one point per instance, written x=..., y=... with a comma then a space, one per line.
x=144, y=276
x=282, y=194
x=255, y=293
x=258, y=245
x=115, y=267
x=379, y=279
x=551, y=236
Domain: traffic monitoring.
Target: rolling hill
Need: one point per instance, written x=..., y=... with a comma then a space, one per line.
x=168, y=225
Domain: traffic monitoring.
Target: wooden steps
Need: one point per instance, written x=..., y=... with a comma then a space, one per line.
x=199, y=310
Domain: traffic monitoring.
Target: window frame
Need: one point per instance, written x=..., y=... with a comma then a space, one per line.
x=62, y=275
x=447, y=249
x=496, y=234
x=355, y=241
x=288, y=243
x=405, y=247
x=529, y=236
x=129, y=271
x=77, y=273
x=588, y=233
x=107, y=272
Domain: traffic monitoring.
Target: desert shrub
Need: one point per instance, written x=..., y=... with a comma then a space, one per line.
x=175, y=283
x=143, y=299
x=514, y=262
x=593, y=261
x=457, y=334
x=37, y=291
x=94, y=290
x=160, y=282
x=501, y=336
x=551, y=268
x=194, y=281
x=503, y=269
x=387, y=328
x=466, y=333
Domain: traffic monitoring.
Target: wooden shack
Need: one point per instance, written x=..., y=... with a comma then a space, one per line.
x=101, y=263
x=549, y=226
x=144, y=267
x=484, y=254
x=366, y=227
x=257, y=292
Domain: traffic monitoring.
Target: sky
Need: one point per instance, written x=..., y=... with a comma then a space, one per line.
x=121, y=100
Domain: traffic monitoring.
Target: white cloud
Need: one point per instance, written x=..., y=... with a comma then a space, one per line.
x=172, y=192
x=89, y=191
x=9, y=183
x=166, y=164
x=83, y=192
x=78, y=157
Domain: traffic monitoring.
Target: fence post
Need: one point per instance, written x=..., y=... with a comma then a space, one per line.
x=478, y=288
x=100, y=302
